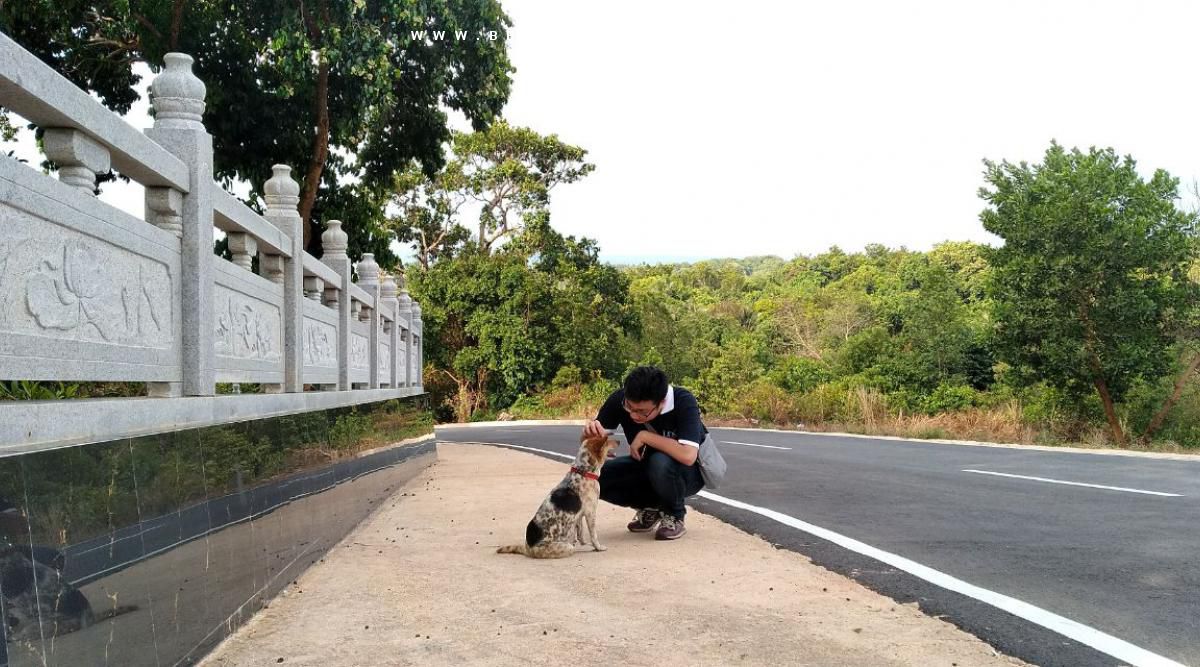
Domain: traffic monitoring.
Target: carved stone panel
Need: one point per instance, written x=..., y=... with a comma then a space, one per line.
x=245, y=327
x=385, y=363
x=320, y=344
x=359, y=352
x=59, y=283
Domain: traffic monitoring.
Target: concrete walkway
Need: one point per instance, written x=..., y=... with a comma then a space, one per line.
x=419, y=583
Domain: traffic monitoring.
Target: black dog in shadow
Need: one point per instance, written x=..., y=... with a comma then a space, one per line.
x=38, y=601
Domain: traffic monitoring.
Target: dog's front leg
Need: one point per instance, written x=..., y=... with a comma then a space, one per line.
x=590, y=517
x=579, y=538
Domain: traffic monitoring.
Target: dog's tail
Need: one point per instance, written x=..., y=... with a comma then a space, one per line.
x=540, y=550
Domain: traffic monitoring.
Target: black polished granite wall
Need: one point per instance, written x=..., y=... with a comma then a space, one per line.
x=150, y=550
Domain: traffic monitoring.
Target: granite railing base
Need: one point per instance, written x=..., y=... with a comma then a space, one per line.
x=150, y=550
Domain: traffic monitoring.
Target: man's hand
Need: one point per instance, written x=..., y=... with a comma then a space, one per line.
x=594, y=429
x=637, y=447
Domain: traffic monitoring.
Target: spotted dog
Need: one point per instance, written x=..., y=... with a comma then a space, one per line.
x=568, y=515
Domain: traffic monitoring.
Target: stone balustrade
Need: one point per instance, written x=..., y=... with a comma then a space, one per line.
x=91, y=293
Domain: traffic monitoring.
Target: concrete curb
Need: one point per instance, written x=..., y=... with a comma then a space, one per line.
x=520, y=422
x=402, y=443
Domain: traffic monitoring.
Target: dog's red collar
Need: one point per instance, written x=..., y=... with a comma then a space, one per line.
x=585, y=473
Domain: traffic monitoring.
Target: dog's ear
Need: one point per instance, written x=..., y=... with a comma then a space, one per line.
x=595, y=448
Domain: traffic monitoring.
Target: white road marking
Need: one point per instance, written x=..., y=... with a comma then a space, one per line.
x=751, y=444
x=1060, y=481
x=1101, y=641
x=1105, y=643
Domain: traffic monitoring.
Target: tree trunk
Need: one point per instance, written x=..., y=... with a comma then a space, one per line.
x=1161, y=415
x=312, y=179
x=1109, y=411
x=176, y=23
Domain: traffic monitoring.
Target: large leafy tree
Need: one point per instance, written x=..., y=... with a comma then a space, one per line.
x=1091, y=288
x=349, y=92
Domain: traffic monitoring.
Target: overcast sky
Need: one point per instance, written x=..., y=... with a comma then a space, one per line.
x=732, y=129
x=735, y=129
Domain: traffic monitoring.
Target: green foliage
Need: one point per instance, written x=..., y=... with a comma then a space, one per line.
x=1091, y=286
x=731, y=373
x=799, y=374
x=565, y=377
x=26, y=390
x=950, y=398
x=502, y=323
x=508, y=171
x=348, y=429
x=764, y=401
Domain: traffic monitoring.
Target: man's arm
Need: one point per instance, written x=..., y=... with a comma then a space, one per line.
x=607, y=419
x=685, y=454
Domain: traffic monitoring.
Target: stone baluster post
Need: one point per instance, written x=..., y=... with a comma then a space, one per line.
x=79, y=157
x=368, y=279
x=418, y=328
x=389, y=292
x=164, y=209
x=404, y=318
x=282, y=193
x=333, y=245
x=243, y=247
x=272, y=266
x=314, y=288
x=178, y=99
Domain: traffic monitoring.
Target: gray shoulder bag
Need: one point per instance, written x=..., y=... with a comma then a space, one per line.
x=712, y=464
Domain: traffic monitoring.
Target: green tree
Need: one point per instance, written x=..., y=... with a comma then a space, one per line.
x=1090, y=286
x=510, y=172
x=427, y=217
x=507, y=171
x=502, y=324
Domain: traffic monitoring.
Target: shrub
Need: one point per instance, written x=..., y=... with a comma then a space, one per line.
x=765, y=401
x=950, y=398
x=799, y=374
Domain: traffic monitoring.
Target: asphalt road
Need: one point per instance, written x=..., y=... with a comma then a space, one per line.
x=1120, y=561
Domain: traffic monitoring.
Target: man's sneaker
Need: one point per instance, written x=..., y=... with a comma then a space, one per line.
x=644, y=521
x=671, y=528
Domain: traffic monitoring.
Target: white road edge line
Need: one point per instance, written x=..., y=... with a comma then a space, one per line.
x=1060, y=481
x=1103, y=642
x=751, y=444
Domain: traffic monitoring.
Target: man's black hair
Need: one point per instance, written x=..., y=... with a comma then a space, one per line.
x=646, y=383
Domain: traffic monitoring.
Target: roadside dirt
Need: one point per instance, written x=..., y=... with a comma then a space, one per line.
x=419, y=583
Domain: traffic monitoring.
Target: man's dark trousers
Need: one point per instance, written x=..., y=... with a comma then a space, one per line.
x=656, y=482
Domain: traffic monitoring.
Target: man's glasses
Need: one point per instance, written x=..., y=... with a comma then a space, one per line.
x=641, y=414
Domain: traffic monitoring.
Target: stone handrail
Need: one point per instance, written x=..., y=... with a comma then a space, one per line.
x=32, y=89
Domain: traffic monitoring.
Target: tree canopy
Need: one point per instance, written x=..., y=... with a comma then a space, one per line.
x=1091, y=286
x=506, y=172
